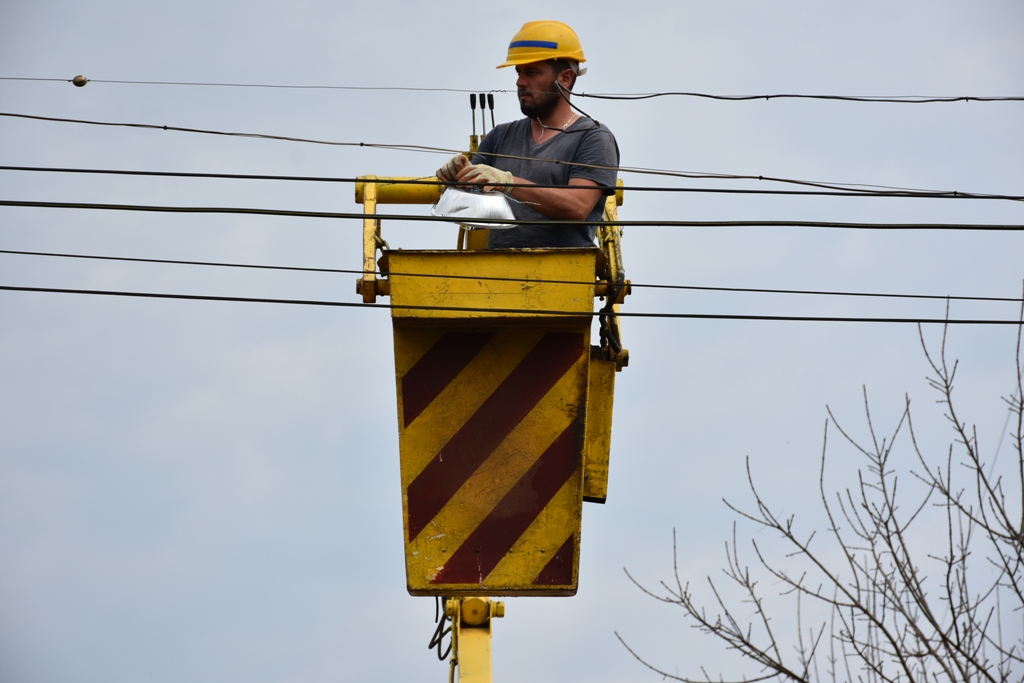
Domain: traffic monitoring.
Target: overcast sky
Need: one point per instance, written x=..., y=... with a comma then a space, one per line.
x=209, y=491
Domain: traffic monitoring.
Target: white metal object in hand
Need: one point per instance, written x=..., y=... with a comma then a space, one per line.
x=466, y=208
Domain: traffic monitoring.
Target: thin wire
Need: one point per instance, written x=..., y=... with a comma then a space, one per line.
x=176, y=262
x=490, y=278
x=204, y=131
x=441, y=219
x=900, y=99
x=853, y=187
x=436, y=640
x=430, y=180
x=896, y=99
x=532, y=312
x=279, y=86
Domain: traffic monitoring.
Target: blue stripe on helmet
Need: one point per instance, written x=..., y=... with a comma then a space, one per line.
x=533, y=43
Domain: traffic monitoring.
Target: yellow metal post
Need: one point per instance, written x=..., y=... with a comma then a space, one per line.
x=399, y=189
x=471, y=637
x=604, y=363
x=367, y=284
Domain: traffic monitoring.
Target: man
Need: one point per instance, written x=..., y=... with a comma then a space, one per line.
x=547, y=56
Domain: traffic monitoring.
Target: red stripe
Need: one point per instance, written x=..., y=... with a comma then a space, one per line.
x=540, y=370
x=437, y=368
x=558, y=570
x=496, y=535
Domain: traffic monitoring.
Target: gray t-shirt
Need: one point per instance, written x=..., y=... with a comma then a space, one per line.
x=583, y=142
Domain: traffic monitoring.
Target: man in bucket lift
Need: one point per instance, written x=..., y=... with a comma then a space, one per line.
x=547, y=57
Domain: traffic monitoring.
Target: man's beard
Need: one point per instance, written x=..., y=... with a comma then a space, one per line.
x=542, y=105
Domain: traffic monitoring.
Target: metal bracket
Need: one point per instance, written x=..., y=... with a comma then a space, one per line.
x=471, y=637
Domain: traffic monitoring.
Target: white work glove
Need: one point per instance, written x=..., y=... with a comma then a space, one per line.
x=482, y=174
x=450, y=170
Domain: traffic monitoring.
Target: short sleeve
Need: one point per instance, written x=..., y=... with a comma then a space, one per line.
x=597, y=149
x=488, y=145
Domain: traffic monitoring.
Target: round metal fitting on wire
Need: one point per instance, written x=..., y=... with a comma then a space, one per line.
x=80, y=80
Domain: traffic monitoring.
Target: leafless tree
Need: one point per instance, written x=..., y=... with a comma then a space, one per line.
x=892, y=598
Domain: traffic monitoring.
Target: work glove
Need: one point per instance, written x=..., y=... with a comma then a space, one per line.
x=450, y=170
x=482, y=174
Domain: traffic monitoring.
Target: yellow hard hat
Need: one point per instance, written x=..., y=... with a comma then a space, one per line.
x=541, y=40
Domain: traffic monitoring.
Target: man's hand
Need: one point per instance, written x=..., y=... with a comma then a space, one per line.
x=450, y=170
x=488, y=176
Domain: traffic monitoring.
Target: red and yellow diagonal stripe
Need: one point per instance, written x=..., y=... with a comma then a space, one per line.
x=491, y=427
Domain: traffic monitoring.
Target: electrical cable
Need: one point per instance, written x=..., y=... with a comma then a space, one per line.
x=494, y=278
x=894, y=99
x=275, y=86
x=204, y=131
x=433, y=181
x=441, y=618
x=540, y=313
x=504, y=221
x=176, y=262
x=899, y=99
x=852, y=187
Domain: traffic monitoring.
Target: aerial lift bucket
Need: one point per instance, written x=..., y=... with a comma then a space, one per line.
x=504, y=406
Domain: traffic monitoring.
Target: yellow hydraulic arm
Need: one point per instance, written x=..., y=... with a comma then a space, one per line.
x=471, y=637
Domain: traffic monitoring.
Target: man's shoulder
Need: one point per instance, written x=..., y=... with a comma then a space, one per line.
x=587, y=126
x=505, y=138
x=503, y=130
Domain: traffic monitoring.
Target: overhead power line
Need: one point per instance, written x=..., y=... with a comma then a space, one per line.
x=204, y=131
x=272, y=86
x=501, y=221
x=551, y=313
x=851, y=187
x=898, y=99
x=390, y=273
x=433, y=181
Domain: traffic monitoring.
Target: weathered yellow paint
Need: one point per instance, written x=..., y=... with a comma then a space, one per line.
x=410, y=346
x=494, y=478
x=471, y=637
x=601, y=393
x=475, y=655
x=371, y=235
x=510, y=290
x=526, y=286
x=398, y=189
x=476, y=239
x=532, y=551
x=425, y=436
x=436, y=425
x=475, y=611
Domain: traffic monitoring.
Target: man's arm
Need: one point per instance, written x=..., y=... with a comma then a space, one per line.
x=572, y=203
x=560, y=203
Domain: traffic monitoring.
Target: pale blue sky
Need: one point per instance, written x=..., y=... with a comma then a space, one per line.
x=209, y=491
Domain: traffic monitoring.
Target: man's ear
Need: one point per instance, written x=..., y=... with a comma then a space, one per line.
x=566, y=78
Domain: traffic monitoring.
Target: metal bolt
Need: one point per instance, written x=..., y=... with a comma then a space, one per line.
x=475, y=611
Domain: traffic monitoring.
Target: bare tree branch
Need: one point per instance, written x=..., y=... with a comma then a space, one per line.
x=894, y=607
